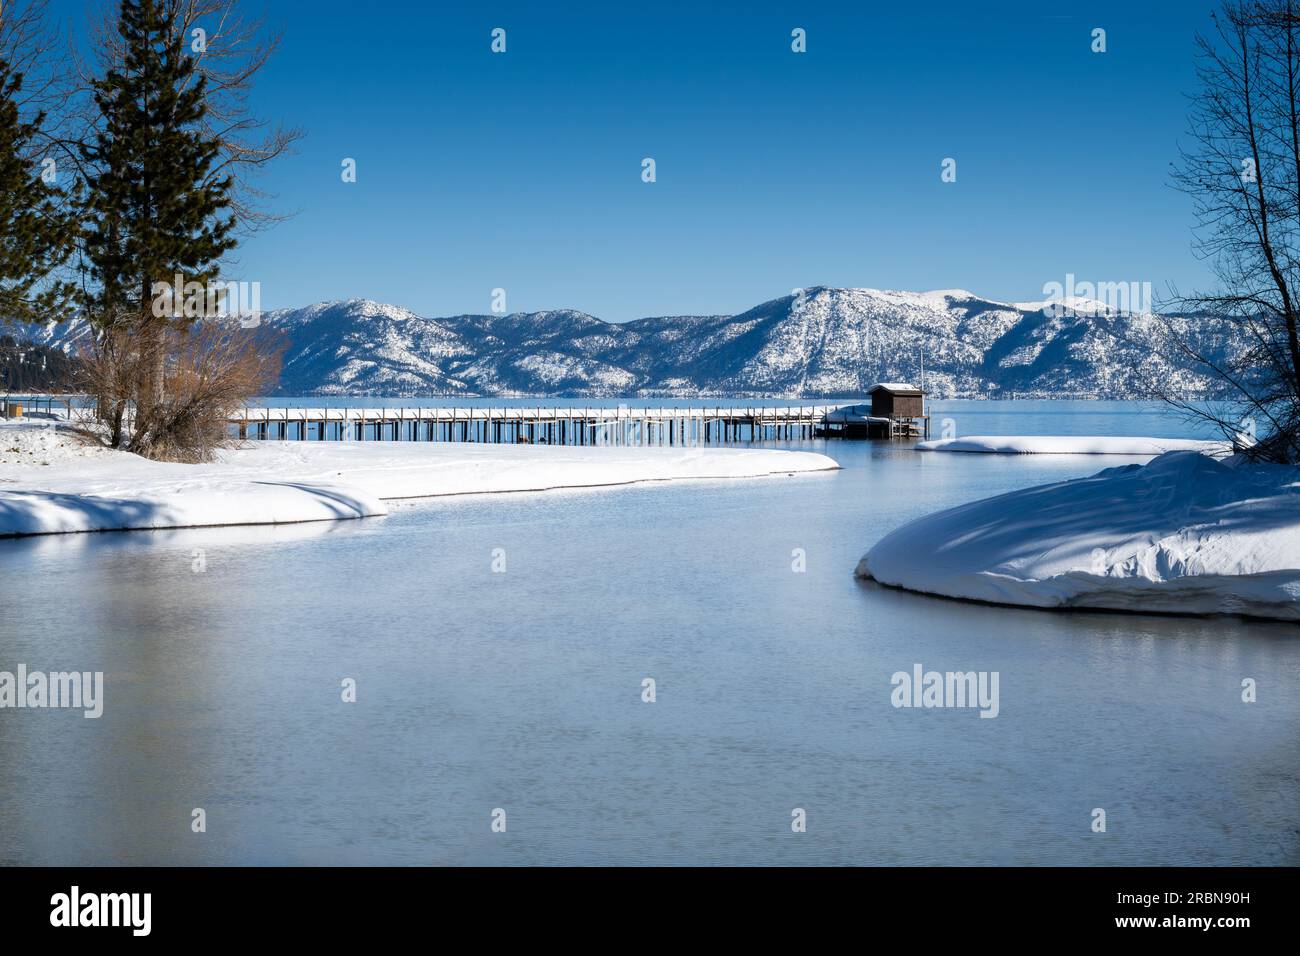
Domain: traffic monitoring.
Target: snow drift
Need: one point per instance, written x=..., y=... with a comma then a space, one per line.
x=1072, y=445
x=1184, y=533
x=51, y=483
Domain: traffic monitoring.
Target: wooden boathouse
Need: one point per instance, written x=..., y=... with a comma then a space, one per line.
x=897, y=402
x=896, y=410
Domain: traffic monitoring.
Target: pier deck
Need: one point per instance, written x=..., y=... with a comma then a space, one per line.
x=553, y=425
x=516, y=424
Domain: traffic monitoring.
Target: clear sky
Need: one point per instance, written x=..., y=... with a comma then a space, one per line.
x=774, y=169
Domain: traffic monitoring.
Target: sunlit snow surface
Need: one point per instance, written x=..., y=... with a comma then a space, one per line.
x=1184, y=533
x=50, y=483
x=1072, y=445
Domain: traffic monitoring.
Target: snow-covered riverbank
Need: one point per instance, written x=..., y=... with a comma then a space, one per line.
x=1072, y=445
x=51, y=483
x=1184, y=533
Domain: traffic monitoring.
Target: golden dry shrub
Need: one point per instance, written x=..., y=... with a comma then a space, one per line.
x=168, y=390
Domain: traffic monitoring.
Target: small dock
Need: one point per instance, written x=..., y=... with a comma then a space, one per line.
x=896, y=410
x=537, y=426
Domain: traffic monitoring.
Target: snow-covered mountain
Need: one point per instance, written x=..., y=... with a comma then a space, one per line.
x=824, y=342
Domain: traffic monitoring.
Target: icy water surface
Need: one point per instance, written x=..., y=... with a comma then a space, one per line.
x=522, y=690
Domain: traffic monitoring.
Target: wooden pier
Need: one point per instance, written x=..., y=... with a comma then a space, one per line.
x=542, y=426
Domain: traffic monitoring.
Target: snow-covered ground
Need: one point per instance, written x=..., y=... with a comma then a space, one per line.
x=1183, y=533
x=1072, y=445
x=50, y=482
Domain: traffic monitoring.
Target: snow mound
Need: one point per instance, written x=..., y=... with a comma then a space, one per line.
x=855, y=414
x=34, y=441
x=1072, y=445
x=52, y=487
x=1182, y=534
x=181, y=504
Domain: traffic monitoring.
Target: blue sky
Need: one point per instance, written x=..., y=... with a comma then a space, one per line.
x=774, y=169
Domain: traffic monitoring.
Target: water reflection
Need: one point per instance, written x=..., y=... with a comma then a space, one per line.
x=522, y=690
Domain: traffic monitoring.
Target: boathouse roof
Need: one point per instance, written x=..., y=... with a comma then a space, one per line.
x=895, y=388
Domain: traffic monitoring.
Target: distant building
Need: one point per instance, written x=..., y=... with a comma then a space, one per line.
x=897, y=401
x=897, y=410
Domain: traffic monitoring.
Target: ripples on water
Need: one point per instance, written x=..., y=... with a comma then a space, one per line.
x=522, y=690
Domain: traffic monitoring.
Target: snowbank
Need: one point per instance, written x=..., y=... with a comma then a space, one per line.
x=34, y=441
x=1183, y=533
x=1072, y=445
x=50, y=482
x=853, y=414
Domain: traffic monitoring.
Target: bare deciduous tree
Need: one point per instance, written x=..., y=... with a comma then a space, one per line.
x=230, y=51
x=213, y=368
x=30, y=44
x=1243, y=174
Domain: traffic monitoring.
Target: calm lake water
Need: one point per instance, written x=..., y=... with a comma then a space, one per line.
x=522, y=690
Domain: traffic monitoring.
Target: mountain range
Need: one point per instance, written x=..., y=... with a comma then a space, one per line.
x=823, y=342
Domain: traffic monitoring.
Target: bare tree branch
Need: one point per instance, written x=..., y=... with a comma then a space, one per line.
x=1243, y=174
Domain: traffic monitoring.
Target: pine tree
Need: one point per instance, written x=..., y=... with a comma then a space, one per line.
x=37, y=230
x=155, y=209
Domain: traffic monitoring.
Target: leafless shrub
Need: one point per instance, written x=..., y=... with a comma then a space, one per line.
x=112, y=372
x=210, y=370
